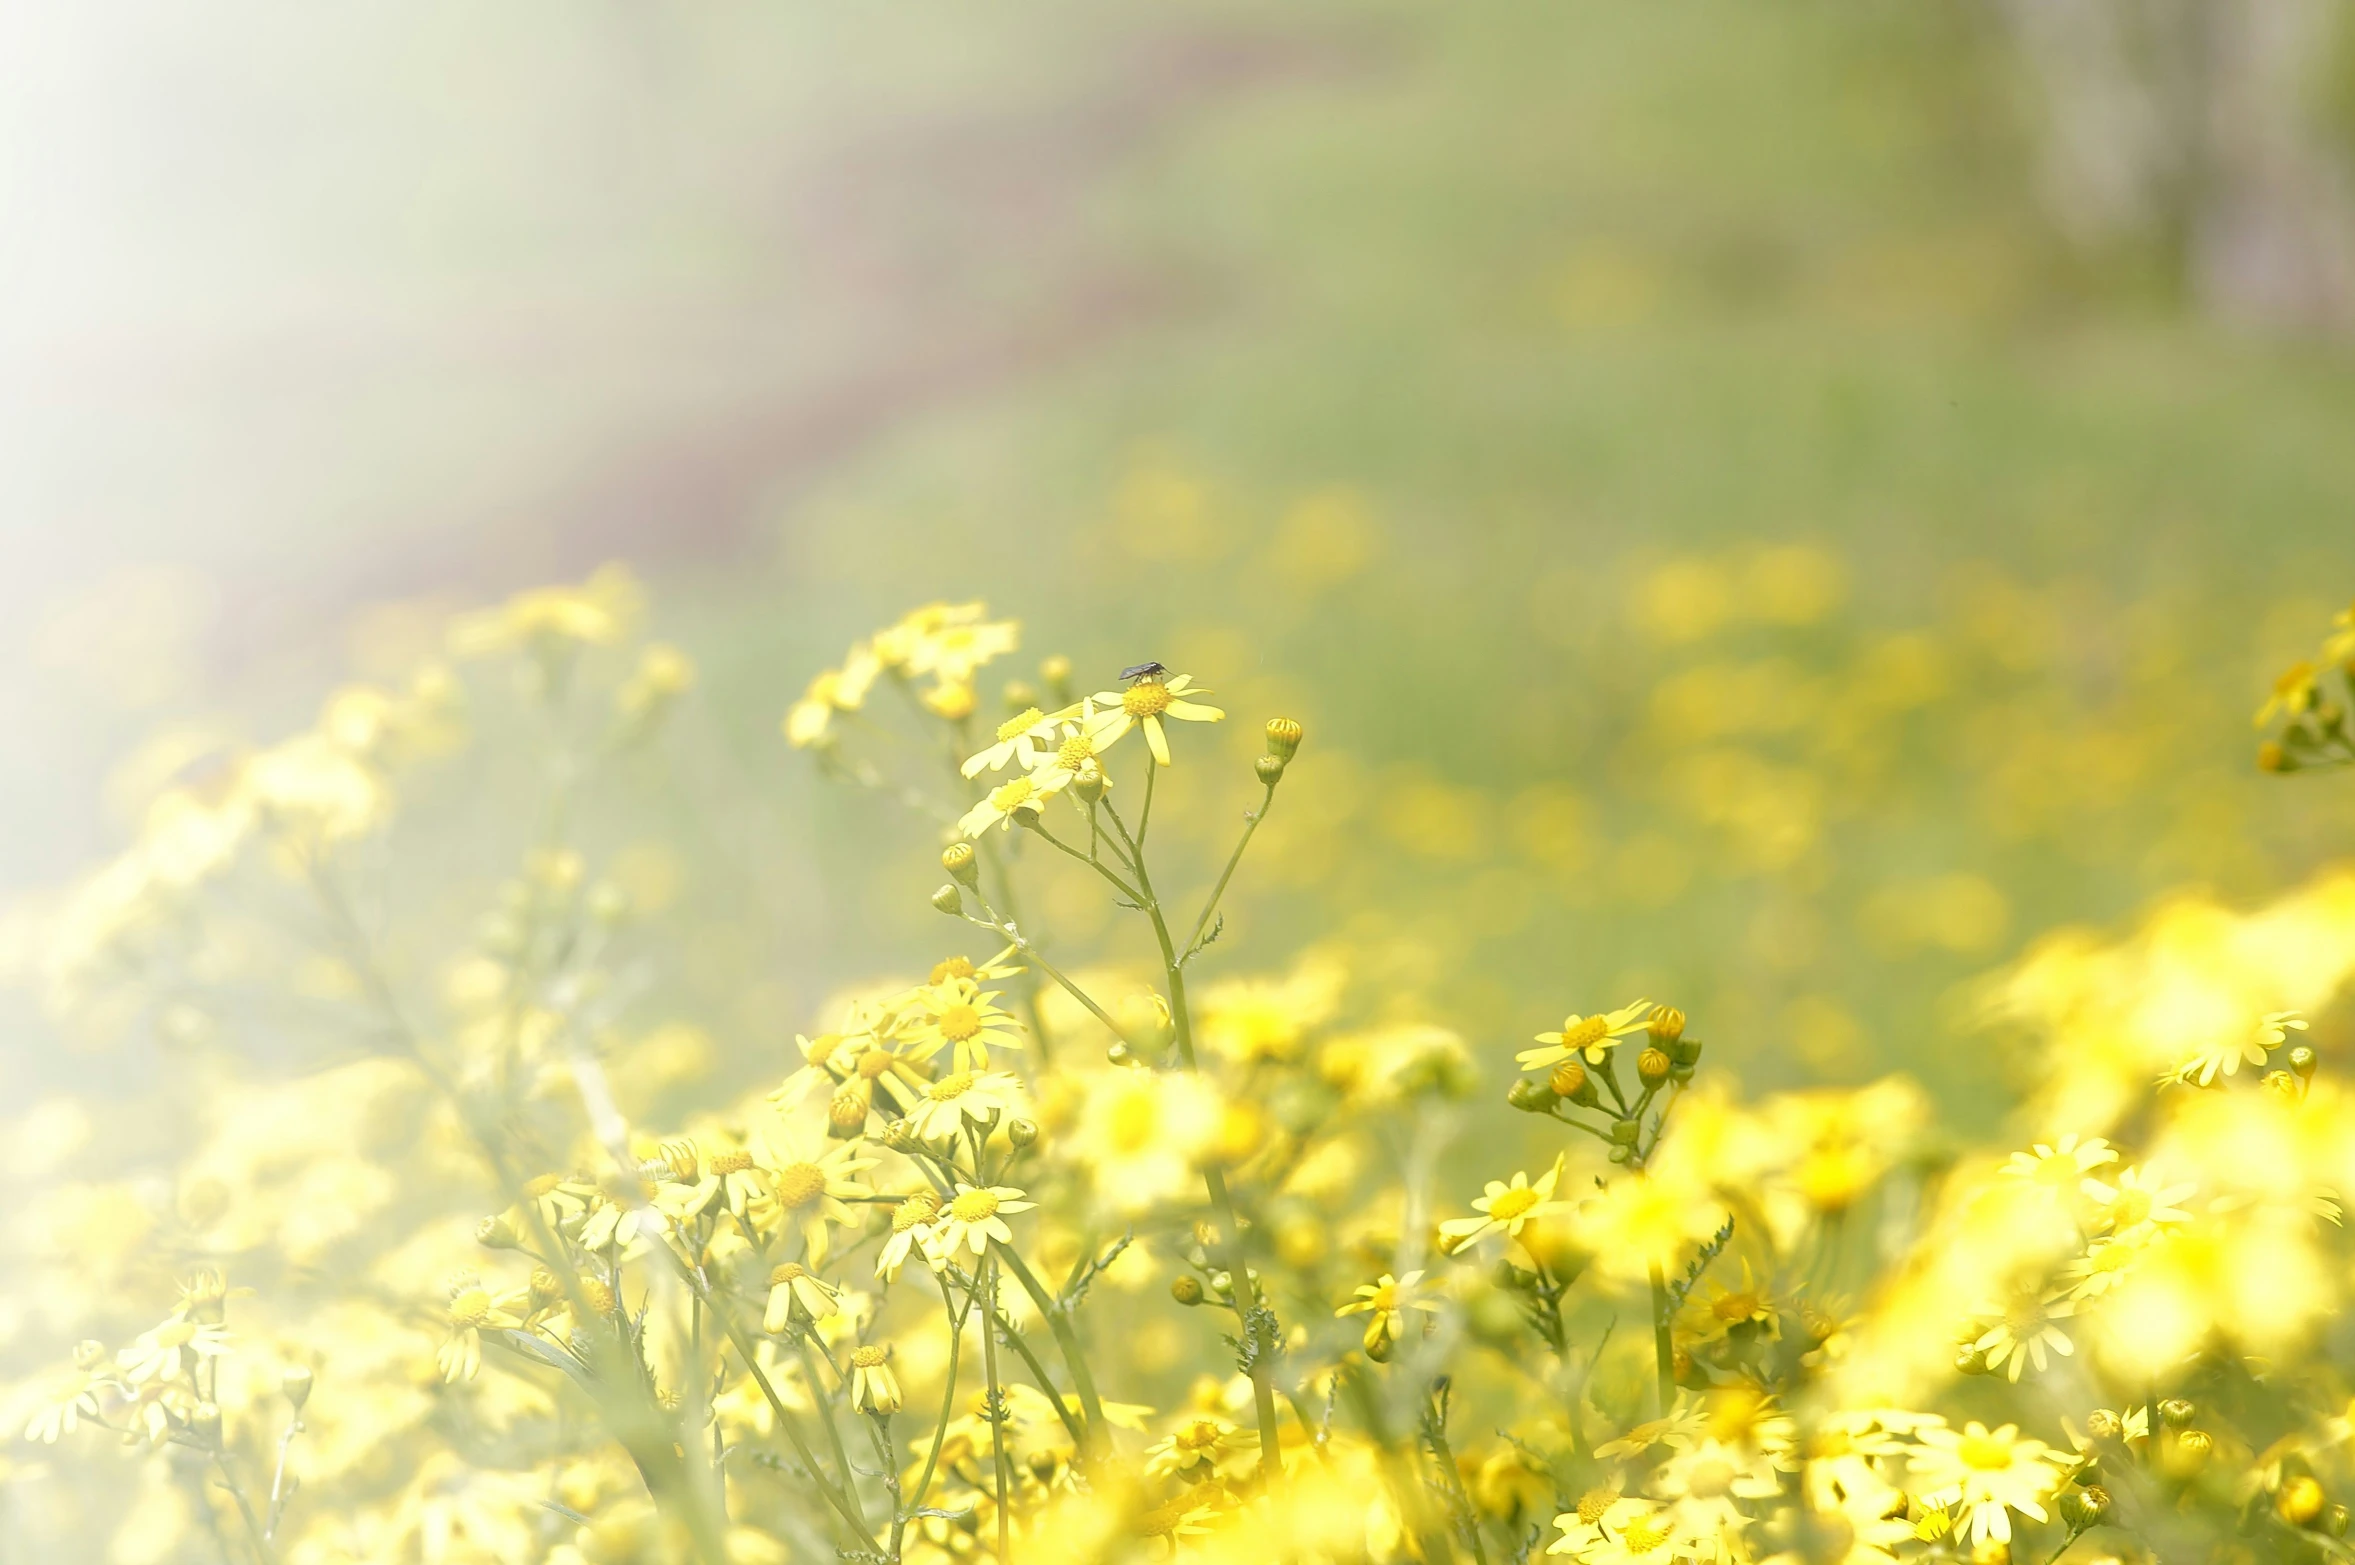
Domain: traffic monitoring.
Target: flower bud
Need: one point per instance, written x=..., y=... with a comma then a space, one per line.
x=846, y=1116
x=949, y=901
x=1529, y=1097
x=2081, y=1508
x=954, y=702
x=1270, y=770
x=2334, y=1521
x=1653, y=1066
x=295, y=1386
x=1969, y=1360
x=1624, y=1132
x=2175, y=1412
x=1021, y=1132
x=204, y=1420
x=2271, y=757
x=599, y=1294
x=1569, y=1080
x=494, y=1233
x=1378, y=1343
x=2301, y=1500
x=2304, y=1060
x=2282, y=1082
x=545, y=1285
x=1056, y=671
x=900, y=1135
x=89, y=1353
x=1089, y=784
x=1021, y=695
x=2189, y=1453
x=2102, y=1424
x=1121, y=1054
x=1686, y=1052
x=958, y=859
x=1283, y=738
x=1665, y=1024
x=1223, y=1284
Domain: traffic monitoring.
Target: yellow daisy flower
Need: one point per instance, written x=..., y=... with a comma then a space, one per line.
x=2023, y=1330
x=1988, y=1473
x=810, y=721
x=975, y=1216
x=958, y=1014
x=797, y=1293
x=1196, y=1446
x=811, y=1180
x=1026, y=794
x=1145, y=704
x=1018, y=740
x=474, y=1308
x=1386, y=1299
x=962, y=1096
x=2137, y=1200
x=1587, y=1035
x=911, y=1226
x=1505, y=1208
x=873, y=1389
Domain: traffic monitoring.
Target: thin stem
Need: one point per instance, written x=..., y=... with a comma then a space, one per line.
x=261, y=1537
x=940, y=1429
x=850, y=1483
x=1038, y=827
x=1250, y=825
x=1663, y=1340
x=997, y=1408
x=294, y=1424
x=1058, y=1322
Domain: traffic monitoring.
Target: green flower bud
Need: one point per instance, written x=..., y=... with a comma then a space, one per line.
x=949, y=901
x=1186, y=1288
x=959, y=860
x=1283, y=738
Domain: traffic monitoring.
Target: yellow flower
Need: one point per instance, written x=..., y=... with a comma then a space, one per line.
x=628, y=1224
x=796, y=1293
x=975, y=1216
x=963, y=1097
x=811, y=719
x=2023, y=1330
x=171, y=1350
x=1141, y=1135
x=1987, y=1473
x=2061, y=1166
x=1386, y=1299
x=959, y=1015
x=1145, y=704
x=1587, y=1035
x=872, y=1386
x=2272, y=1030
x=2293, y=694
x=1025, y=795
x=811, y=1181
x=473, y=1308
x=1018, y=740
x=911, y=1227
x=547, y=619
x=2138, y=1201
x=1643, y=1220
x=1505, y=1208
x=1197, y=1444
x=61, y=1406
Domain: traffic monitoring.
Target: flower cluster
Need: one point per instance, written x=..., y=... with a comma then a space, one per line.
x=1076, y=1249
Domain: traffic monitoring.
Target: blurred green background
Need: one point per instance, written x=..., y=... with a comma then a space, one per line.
x=1766, y=507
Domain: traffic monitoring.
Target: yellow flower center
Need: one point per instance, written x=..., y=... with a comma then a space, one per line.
x=959, y=1022
x=1203, y=1433
x=821, y=1048
x=2131, y=1207
x=1735, y=1307
x=541, y=1186
x=790, y=1272
x=1578, y=1032
x=1384, y=1297
x=1645, y=1534
x=1007, y=799
x=470, y=1308
x=954, y=967
x=1019, y=724
x=1984, y=1452
x=799, y=1184
x=974, y=1206
x=1150, y=699
x=1075, y=752
x=874, y=1064
x=731, y=1163
x=1131, y=1123
x=1593, y=1503
x=914, y=1212
x=869, y=1357
x=950, y=1087
x=1511, y=1204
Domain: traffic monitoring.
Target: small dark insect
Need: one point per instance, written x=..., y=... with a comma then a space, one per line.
x=1143, y=671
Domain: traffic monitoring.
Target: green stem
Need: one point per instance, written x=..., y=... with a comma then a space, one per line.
x=940, y=1429
x=1250, y=825
x=1663, y=1340
x=997, y=1411
x=1059, y=1323
x=850, y=1485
